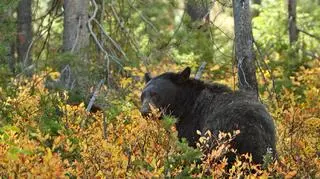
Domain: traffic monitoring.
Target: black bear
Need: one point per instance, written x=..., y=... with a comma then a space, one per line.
x=215, y=107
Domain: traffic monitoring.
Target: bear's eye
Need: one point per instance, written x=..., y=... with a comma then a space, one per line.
x=153, y=94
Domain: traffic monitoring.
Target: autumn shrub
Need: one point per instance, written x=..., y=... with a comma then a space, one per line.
x=298, y=122
x=44, y=133
x=41, y=135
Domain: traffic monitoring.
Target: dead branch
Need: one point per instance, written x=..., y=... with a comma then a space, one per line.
x=144, y=18
x=77, y=35
x=111, y=39
x=268, y=69
x=310, y=35
x=94, y=35
x=95, y=93
x=200, y=70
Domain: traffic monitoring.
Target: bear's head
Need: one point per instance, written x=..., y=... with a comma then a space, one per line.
x=161, y=91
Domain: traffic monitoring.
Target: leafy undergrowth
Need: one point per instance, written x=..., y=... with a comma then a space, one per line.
x=41, y=135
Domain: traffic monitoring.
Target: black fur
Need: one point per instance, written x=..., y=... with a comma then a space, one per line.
x=214, y=107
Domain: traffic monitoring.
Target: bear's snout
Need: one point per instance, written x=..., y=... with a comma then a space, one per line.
x=144, y=111
x=145, y=108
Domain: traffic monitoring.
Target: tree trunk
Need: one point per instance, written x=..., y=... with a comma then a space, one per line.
x=11, y=58
x=8, y=43
x=24, y=35
x=75, y=34
x=245, y=55
x=197, y=9
x=75, y=41
x=293, y=30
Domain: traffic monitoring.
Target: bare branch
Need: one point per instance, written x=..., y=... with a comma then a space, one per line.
x=117, y=17
x=112, y=41
x=307, y=33
x=66, y=77
x=94, y=35
x=26, y=57
x=27, y=67
x=29, y=49
x=176, y=30
x=77, y=35
x=200, y=70
x=95, y=93
x=91, y=102
x=268, y=69
x=144, y=18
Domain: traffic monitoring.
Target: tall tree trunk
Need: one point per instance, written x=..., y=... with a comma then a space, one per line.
x=197, y=9
x=6, y=20
x=245, y=55
x=10, y=57
x=293, y=30
x=75, y=34
x=75, y=41
x=24, y=36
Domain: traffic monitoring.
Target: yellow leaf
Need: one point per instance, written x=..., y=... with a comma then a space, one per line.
x=291, y=174
x=198, y=132
x=48, y=157
x=127, y=68
x=216, y=67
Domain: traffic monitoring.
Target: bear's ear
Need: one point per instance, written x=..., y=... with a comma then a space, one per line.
x=185, y=74
x=147, y=77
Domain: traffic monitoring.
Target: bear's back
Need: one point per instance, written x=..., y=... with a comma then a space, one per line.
x=227, y=111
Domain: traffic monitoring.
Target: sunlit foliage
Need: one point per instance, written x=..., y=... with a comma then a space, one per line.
x=41, y=135
x=46, y=132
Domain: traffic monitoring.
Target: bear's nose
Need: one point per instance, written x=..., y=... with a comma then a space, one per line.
x=144, y=112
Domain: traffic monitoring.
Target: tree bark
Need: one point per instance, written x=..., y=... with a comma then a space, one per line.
x=197, y=9
x=75, y=34
x=293, y=30
x=245, y=55
x=24, y=35
x=11, y=58
x=6, y=20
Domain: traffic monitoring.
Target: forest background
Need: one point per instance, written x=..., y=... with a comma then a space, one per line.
x=71, y=74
